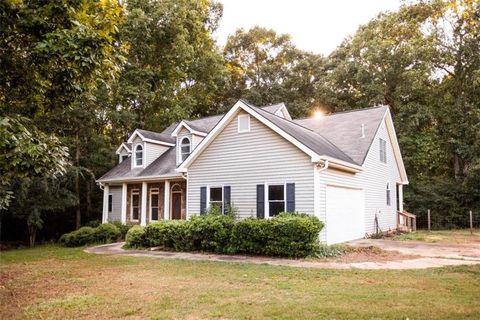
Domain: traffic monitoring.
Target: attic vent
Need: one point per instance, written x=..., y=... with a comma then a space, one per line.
x=244, y=123
x=363, y=130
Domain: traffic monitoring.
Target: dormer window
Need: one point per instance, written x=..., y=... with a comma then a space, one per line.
x=185, y=148
x=138, y=155
x=123, y=157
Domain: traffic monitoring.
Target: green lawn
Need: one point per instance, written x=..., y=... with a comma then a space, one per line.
x=60, y=283
x=445, y=236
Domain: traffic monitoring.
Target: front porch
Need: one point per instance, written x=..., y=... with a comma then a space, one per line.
x=144, y=202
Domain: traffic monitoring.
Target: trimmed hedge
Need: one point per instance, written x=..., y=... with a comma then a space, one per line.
x=288, y=235
x=135, y=237
x=104, y=233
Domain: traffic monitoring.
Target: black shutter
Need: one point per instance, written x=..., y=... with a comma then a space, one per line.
x=226, y=199
x=260, y=201
x=290, y=197
x=203, y=199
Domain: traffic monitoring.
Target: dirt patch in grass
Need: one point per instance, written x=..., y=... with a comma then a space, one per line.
x=370, y=254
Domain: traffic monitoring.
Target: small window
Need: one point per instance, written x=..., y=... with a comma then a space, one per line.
x=388, y=195
x=244, y=123
x=110, y=203
x=154, y=204
x=185, y=148
x=383, y=150
x=124, y=157
x=216, y=198
x=276, y=199
x=135, y=206
x=139, y=155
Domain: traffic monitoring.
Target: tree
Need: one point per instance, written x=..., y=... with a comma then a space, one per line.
x=174, y=70
x=267, y=68
x=53, y=56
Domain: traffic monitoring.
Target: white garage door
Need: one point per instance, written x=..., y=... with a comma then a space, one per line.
x=345, y=214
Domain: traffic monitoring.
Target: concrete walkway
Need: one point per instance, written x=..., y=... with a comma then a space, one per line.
x=428, y=258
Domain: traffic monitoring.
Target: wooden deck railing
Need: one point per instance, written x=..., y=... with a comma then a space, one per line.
x=406, y=221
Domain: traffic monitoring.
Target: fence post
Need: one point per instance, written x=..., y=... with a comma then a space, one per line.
x=428, y=221
x=471, y=222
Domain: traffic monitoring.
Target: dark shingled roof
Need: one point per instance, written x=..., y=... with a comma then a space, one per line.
x=163, y=165
x=337, y=136
x=344, y=129
x=156, y=136
x=273, y=108
x=307, y=137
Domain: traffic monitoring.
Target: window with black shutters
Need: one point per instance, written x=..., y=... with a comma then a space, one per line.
x=276, y=199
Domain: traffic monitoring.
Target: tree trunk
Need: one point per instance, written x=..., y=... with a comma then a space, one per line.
x=89, y=197
x=78, y=215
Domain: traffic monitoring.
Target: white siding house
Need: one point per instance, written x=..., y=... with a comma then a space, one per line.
x=345, y=168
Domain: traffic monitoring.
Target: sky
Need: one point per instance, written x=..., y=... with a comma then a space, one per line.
x=318, y=26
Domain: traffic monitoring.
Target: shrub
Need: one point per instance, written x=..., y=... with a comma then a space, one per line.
x=106, y=233
x=135, y=237
x=288, y=234
x=210, y=233
x=93, y=223
x=79, y=237
x=249, y=236
x=171, y=234
x=123, y=228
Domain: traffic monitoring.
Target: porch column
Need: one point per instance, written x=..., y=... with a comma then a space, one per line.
x=143, y=219
x=106, y=192
x=400, y=197
x=166, y=203
x=123, y=211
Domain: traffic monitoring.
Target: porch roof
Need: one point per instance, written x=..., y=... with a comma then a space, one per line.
x=163, y=166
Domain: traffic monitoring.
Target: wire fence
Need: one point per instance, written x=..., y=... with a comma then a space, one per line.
x=437, y=221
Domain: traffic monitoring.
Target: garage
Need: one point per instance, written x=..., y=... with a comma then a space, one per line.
x=345, y=214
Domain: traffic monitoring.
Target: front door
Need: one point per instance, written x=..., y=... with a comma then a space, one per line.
x=176, y=205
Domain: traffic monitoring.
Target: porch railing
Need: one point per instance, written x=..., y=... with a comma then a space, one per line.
x=406, y=221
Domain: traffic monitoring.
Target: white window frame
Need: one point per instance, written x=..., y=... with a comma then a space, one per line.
x=388, y=195
x=383, y=150
x=208, y=196
x=267, y=200
x=152, y=192
x=122, y=157
x=110, y=196
x=241, y=116
x=181, y=159
x=135, y=155
x=135, y=192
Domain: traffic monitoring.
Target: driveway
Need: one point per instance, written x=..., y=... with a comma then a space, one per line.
x=429, y=256
x=468, y=252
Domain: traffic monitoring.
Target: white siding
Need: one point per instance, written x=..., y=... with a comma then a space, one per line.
x=116, y=193
x=152, y=152
x=373, y=179
x=243, y=160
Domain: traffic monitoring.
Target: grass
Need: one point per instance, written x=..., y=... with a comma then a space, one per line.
x=51, y=282
x=444, y=236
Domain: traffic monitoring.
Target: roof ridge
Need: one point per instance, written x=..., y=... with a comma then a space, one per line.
x=346, y=111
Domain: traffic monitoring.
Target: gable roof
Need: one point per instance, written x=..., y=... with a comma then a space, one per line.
x=125, y=145
x=153, y=137
x=199, y=127
x=306, y=140
x=344, y=129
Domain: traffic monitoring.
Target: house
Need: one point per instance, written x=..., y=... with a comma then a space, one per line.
x=345, y=168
